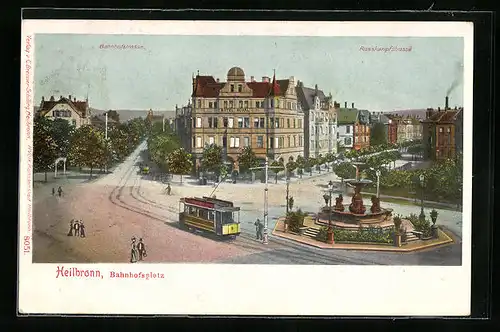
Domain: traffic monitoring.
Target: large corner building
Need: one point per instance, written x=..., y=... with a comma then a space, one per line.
x=237, y=113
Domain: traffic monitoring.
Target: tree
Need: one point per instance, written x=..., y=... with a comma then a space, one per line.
x=61, y=131
x=114, y=115
x=212, y=158
x=119, y=143
x=311, y=162
x=247, y=159
x=344, y=171
x=179, y=162
x=88, y=148
x=277, y=167
x=45, y=149
x=301, y=164
x=160, y=146
x=290, y=167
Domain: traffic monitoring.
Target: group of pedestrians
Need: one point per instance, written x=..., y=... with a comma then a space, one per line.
x=76, y=228
x=138, y=251
x=59, y=191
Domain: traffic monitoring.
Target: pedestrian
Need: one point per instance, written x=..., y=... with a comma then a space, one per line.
x=142, y=249
x=53, y=191
x=71, y=225
x=59, y=191
x=133, y=251
x=169, y=190
x=258, y=230
x=76, y=226
x=82, y=228
x=261, y=230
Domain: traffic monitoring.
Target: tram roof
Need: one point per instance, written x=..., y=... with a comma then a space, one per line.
x=209, y=202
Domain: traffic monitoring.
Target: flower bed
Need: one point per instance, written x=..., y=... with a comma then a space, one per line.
x=368, y=235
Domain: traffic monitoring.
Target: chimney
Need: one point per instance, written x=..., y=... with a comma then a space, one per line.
x=69, y=97
x=265, y=79
x=316, y=88
x=446, y=103
x=60, y=97
x=74, y=99
x=252, y=79
x=194, y=84
x=51, y=98
x=352, y=105
x=217, y=80
x=43, y=99
x=346, y=104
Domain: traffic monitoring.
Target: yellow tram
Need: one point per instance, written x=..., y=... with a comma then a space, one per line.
x=210, y=214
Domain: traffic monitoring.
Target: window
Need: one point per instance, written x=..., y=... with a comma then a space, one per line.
x=216, y=120
x=257, y=104
x=246, y=122
x=441, y=129
x=198, y=122
x=224, y=141
x=240, y=88
x=272, y=122
x=448, y=130
x=295, y=123
x=288, y=123
x=347, y=141
x=240, y=122
x=210, y=105
x=246, y=103
x=294, y=140
x=289, y=141
x=240, y=104
x=260, y=141
x=215, y=104
x=225, y=103
x=277, y=123
x=289, y=105
x=271, y=142
x=73, y=122
x=224, y=122
x=246, y=141
x=312, y=144
x=230, y=104
x=256, y=122
x=230, y=122
x=300, y=123
x=276, y=142
x=261, y=122
x=234, y=142
x=210, y=122
x=198, y=142
x=199, y=103
x=211, y=140
x=348, y=129
x=301, y=140
x=338, y=135
x=232, y=87
x=278, y=103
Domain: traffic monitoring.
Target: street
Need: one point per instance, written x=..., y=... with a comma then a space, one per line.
x=124, y=203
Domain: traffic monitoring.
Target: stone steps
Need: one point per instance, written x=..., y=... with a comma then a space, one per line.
x=311, y=232
x=410, y=237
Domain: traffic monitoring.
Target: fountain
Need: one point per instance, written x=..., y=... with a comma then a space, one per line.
x=355, y=214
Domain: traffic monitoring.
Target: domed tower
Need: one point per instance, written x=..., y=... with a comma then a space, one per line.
x=236, y=74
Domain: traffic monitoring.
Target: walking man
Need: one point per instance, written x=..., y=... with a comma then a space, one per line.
x=133, y=251
x=71, y=226
x=53, y=191
x=82, y=228
x=168, y=189
x=59, y=191
x=142, y=249
x=258, y=229
x=76, y=226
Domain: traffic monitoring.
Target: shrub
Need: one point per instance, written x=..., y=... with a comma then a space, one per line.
x=370, y=234
x=295, y=220
x=322, y=234
x=421, y=225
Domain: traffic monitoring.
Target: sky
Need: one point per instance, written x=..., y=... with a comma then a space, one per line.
x=158, y=75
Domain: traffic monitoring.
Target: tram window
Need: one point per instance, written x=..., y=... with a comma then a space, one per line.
x=211, y=215
x=203, y=213
x=192, y=211
x=227, y=218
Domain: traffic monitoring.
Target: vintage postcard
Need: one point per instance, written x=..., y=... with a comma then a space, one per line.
x=245, y=168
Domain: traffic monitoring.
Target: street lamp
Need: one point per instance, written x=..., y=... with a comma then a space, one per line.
x=422, y=214
x=377, y=173
x=330, y=230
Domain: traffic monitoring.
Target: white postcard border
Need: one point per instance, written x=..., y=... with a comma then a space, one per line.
x=338, y=290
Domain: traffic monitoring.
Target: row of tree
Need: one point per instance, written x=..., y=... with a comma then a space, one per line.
x=85, y=146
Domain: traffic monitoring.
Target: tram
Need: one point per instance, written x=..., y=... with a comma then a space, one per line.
x=211, y=215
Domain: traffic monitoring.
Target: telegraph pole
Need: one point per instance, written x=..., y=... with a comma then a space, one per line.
x=106, y=142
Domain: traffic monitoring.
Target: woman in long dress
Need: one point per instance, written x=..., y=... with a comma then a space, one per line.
x=133, y=252
x=71, y=226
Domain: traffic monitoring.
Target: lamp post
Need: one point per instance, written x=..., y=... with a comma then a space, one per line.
x=287, y=201
x=106, y=142
x=330, y=229
x=422, y=214
x=377, y=173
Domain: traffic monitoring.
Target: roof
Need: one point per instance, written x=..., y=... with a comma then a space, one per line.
x=102, y=118
x=208, y=87
x=415, y=113
x=306, y=96
x=380, y=118
x=347, y=116
x=364, y=116
x=442, y=117
x=79, y=106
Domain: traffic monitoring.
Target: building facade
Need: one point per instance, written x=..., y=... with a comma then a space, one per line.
x=238, y=113
x=320, y=121
x=362, y=130
x=183, y=125
x=442, y=138
x=76, y=112
x=353, y=128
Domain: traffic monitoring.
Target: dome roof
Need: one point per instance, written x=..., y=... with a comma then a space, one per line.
x=236, y=74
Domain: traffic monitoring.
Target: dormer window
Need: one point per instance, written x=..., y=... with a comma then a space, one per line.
x=240, y=88
x=232, y=87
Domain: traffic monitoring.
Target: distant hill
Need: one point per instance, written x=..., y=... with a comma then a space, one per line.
x=126, y=115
